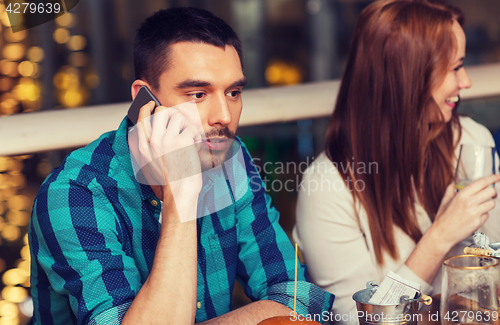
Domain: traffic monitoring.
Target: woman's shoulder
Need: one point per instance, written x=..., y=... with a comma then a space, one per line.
x=475, y=133
x=322, y=179
x=322, y=165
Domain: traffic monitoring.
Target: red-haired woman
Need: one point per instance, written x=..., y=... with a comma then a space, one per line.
x=379, y=198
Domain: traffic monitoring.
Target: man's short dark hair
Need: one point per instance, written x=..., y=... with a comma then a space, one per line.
x=166, y=27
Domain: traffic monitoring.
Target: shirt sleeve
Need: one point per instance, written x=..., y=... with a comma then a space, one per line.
x=266, y=260
x=78, y=259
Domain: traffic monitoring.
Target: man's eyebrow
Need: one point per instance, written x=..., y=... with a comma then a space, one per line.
x=240, y=83
x=191, y=83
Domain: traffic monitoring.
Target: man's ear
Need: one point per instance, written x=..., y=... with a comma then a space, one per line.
x=136, y=85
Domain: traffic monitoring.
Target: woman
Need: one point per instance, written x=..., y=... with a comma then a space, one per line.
x=379, y=198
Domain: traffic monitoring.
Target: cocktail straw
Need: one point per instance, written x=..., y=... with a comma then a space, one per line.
x=295, y=286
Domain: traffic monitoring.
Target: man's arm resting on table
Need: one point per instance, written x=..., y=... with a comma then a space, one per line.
x=251, y=314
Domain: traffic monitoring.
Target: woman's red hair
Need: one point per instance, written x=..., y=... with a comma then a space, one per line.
x=385, y=114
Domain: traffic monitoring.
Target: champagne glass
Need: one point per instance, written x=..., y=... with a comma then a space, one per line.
x=470, y=290
x=474, y=162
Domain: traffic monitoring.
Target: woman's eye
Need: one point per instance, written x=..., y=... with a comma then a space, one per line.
x=459, y=67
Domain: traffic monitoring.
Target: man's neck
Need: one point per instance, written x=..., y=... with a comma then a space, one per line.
x=158, y=191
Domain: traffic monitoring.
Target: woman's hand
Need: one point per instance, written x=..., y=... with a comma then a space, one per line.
x=462, y=213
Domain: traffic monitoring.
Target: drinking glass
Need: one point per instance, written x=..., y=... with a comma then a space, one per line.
x=474, y=162
x=470, y=290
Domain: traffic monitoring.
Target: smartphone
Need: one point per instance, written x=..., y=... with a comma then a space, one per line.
x=143, y=97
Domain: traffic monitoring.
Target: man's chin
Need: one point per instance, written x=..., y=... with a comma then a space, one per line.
x=213, y=158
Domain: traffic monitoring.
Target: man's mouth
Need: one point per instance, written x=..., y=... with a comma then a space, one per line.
x=216, y=143
x=452, y=101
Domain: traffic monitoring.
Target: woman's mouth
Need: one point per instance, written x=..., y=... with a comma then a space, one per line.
x=452, y=101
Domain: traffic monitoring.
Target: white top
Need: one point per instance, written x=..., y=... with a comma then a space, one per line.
x=335, y=237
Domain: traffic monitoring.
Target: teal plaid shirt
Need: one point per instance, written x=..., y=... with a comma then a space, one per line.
x=94, y=230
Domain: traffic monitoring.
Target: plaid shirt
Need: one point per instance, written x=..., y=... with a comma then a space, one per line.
x=94, y=231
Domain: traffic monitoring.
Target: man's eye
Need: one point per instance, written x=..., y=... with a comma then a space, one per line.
x=197, y=95
x=234, y=93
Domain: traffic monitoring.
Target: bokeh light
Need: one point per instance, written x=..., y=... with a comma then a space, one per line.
x=17, y=179
x=14, y=51
x=11, y=233
x=9, y=320
x=61, y=35
x=35, y=54
x=76, y=43
x=14, y=294
x=5, y=19
x=8, y=309
x=9, y=106
x=28, y=90
x=68, y=78
x=18, y=218
x=26, y=307
x=25, y=253
x=16, y=164
x=24, y=265
x=15, y=276
x=8, y=68
x=18, y=202
x=8, y=192
x=281, y=73
x=66, y=20
x=72, y=97
x=27, y=68
x=4, y=161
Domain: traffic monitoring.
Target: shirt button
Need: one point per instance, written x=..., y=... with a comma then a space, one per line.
x=154, y=203
x=198, y=304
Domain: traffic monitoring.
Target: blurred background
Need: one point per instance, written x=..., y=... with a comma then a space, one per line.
x=84, y=58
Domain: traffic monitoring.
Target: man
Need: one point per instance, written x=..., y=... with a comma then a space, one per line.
x=109, y=249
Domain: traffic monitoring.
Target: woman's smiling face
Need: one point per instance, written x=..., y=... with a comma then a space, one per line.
x=446, y=94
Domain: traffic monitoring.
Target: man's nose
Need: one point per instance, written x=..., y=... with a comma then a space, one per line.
x=219, y=112
x=464, y=80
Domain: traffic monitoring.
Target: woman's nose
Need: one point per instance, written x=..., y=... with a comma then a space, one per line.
x=464, y=81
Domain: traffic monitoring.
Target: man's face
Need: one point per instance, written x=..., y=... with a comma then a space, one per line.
x=212, y=77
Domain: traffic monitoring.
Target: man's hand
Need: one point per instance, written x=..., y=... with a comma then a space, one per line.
x=167, y=152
